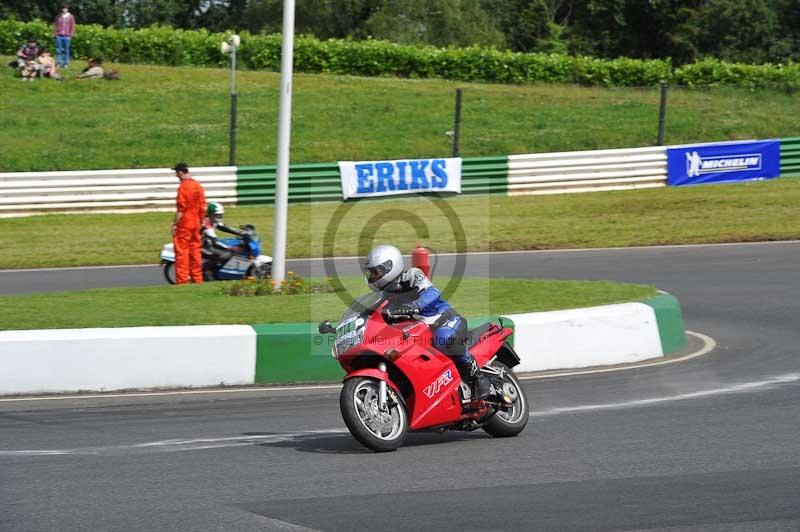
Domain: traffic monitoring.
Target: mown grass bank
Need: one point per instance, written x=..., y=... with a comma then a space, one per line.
x=754, y=211
x=155, y=116
x=207, y=304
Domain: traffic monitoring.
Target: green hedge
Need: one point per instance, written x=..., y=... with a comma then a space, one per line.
x=167, y=46
x=712, y=72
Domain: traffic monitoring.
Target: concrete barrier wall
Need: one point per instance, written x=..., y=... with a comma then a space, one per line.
x=74, y=360
x=613, y=334
x=71, y=360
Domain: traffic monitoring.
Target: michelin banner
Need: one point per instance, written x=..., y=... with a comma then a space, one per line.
x=367, y=179
x=723, y=162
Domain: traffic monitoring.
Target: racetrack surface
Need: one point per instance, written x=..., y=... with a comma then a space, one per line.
x=710, y=444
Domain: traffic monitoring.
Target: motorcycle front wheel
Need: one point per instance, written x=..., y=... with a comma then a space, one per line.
x=376, y=430
x=169, y=272
x=259, y=273
x=264, y=271
x=511, y=419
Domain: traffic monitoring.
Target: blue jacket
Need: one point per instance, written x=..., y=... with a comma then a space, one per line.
x=429, y=300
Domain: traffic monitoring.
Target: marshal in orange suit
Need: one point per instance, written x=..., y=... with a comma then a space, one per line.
x=190, y=209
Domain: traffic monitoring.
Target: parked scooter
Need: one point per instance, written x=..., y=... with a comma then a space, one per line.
x=245, y=260
x=397, y=381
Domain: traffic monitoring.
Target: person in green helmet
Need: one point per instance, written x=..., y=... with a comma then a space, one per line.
x=213, y=249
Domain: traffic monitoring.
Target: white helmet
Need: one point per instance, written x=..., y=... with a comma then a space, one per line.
x=382, y=265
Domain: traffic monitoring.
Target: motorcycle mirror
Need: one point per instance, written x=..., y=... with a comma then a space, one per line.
x=325, y=327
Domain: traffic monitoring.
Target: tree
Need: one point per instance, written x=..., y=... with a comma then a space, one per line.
x=533, y=25
x=787, y=42
x=442, y=23
x=103, y=12
x=30, y=9
x=739, y=30
x=322, y=18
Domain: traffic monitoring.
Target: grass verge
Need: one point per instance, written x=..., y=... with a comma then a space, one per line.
x=755, y=211
x=156, y=115
x=205, y=304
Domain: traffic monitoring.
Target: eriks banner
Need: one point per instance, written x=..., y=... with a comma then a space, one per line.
x=364, y=179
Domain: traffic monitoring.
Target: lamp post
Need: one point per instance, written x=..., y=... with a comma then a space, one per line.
x=229, y=47
x=284, y=135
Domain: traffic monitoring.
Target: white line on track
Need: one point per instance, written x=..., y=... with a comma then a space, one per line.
x=178, y=392
x=176, y=445
x=278, y=525
x=519, y=252
x=736, y=388
x=708, y=345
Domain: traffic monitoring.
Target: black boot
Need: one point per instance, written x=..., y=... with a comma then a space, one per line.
x=476, y=380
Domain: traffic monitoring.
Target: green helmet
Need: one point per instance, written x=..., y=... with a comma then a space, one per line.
x=215, y=209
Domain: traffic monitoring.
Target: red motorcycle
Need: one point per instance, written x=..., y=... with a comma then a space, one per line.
x=397, y=381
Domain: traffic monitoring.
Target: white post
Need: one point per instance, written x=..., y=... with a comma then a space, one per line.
x=234, y=103
x=233, y=69
x=284, y=137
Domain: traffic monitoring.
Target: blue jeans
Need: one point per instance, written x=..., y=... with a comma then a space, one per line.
x=62, y=50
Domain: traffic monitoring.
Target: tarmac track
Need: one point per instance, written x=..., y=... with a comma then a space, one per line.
x=710, y=444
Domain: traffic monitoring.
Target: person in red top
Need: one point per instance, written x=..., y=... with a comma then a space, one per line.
x=189, y=213
x=63, y=30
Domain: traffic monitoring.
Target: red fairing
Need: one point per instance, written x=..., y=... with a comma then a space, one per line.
x=374, y=373
x=489, y=343
x=427, y=380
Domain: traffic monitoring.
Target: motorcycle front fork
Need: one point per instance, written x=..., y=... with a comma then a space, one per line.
x=382, y=393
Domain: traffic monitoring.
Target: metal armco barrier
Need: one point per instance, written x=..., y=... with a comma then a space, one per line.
x=587, y=171
x=790, y=156
x=27, y=193
x=307, y=182
x=24, y=193
x=484, y=175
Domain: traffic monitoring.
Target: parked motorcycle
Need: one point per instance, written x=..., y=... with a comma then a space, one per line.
x=397, y=381
x=245, y=260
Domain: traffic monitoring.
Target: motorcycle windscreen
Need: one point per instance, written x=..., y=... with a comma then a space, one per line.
x=362, y=305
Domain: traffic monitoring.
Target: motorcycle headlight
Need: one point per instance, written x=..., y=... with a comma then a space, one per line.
x=348, y=334
x=348, y=340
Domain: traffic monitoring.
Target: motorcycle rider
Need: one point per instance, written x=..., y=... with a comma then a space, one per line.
x=413, y=295
x=214, y=250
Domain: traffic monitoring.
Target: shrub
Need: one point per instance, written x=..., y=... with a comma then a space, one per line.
x=294, y=284
x=712, y=72
x=162, y=45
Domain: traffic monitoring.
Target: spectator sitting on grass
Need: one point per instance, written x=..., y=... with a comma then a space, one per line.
x=26, y=60
x=93, y=70
x=29, y=70
x=27, y=52
x=47, y=63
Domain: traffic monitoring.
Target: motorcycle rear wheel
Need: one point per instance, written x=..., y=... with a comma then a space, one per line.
x=511, y=421
x=378, y=431
x=169, y=272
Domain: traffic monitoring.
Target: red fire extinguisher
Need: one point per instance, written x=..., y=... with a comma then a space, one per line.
x=420, y=258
